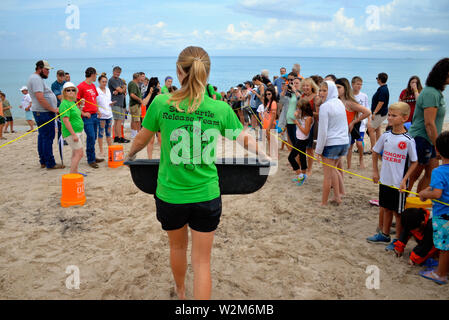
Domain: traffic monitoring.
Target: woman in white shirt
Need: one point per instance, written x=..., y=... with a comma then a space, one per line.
x=333, y=139
x=104, y=103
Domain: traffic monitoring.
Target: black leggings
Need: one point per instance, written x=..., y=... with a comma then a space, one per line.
x=301, y=145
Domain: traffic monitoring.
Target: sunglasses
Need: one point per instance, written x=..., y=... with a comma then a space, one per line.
x=70, y=90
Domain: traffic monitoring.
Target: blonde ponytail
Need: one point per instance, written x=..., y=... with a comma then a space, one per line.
x=194, y=62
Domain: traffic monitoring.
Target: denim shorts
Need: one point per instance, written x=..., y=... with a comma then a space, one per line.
x=107, y=126
x=335, y=152
x=425, y=150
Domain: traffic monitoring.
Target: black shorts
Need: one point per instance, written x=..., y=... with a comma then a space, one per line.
x=9, y=119
x=200, y=216
x=392, y=199
x=2, y=120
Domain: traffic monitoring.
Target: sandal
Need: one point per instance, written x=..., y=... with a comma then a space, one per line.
x=94, y=165
x=374, y=202
x=431, y=275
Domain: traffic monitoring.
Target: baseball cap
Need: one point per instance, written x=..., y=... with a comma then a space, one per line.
x=23, y=88
x=43, y=64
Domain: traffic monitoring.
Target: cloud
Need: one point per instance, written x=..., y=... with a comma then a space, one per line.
x=68, y=43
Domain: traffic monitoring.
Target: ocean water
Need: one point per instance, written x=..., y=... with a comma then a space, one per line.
x=226, y=72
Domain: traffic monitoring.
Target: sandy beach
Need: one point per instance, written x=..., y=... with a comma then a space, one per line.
x=274, y=244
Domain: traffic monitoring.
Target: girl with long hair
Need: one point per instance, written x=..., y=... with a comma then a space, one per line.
x=355, y=113
x=304, y=122
x=188, y=192
x=411, y=94
x=309, y=91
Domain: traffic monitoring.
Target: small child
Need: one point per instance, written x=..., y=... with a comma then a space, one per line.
x=399, y=157
x=439, y=189
x=416, y=223
x=304, y=122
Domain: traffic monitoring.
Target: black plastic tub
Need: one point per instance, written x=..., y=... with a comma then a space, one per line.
x=236, y=176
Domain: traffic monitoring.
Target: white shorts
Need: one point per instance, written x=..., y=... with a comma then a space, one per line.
x=378, y=120
x=75, y=145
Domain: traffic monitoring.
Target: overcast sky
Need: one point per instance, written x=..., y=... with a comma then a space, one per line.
x=324, y=28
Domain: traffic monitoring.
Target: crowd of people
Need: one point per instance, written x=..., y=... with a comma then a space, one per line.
x=316, y=117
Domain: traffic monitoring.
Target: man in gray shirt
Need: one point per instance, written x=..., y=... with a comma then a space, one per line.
x=118, y=89
x=44, y=107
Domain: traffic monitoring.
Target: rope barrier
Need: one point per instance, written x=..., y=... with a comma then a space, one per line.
x=343, y=170
x=277, y=136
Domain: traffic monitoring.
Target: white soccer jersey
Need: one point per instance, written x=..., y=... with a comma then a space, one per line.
x=398, y=151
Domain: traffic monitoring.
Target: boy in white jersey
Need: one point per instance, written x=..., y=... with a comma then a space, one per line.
x=362, y=99
x=399, y=159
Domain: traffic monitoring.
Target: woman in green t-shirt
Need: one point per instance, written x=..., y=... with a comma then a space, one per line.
x=428, y=122
x=188, y=191
x=72, y=124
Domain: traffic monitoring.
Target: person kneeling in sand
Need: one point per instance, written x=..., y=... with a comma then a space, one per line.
x=72, y=124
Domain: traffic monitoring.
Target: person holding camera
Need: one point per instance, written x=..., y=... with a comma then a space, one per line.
x=290, y=93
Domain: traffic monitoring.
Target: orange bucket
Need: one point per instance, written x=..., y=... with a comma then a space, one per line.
x=72, y=190
x=116, y=156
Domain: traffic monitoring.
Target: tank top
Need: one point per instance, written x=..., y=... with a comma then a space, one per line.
x=299, y=134
x=350, y=115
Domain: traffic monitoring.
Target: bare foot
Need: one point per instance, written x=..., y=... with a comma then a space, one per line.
x=336, y=201
x=323, y=204
x=362, y=166
x=181, y=293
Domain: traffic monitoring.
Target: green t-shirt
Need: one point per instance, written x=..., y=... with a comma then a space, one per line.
x=291, y=109
x=5, y=105
x=429, y=97
x=164, y=89
x=187, y=172
x=134, y=88
x=74, y=116
x=210, y=91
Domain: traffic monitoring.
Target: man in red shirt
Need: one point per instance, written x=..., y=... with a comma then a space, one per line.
x=87, y=94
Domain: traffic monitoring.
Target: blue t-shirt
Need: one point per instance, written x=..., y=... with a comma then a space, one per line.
x=278, y=83
x=382, y=95
x=440, y=180
x=56, y=87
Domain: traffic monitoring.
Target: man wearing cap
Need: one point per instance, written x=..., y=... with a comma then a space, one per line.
x=168, y=85
x=44, y=107
x=26, y=106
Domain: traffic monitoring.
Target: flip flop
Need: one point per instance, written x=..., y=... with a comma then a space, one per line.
x=431, y=275
x=374, y=202
x=83, y=174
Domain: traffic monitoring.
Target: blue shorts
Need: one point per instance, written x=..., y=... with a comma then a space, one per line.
x=425, y=150
x=29, y=115
x=440, y=233
x=335, y=152
x=105, y=124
